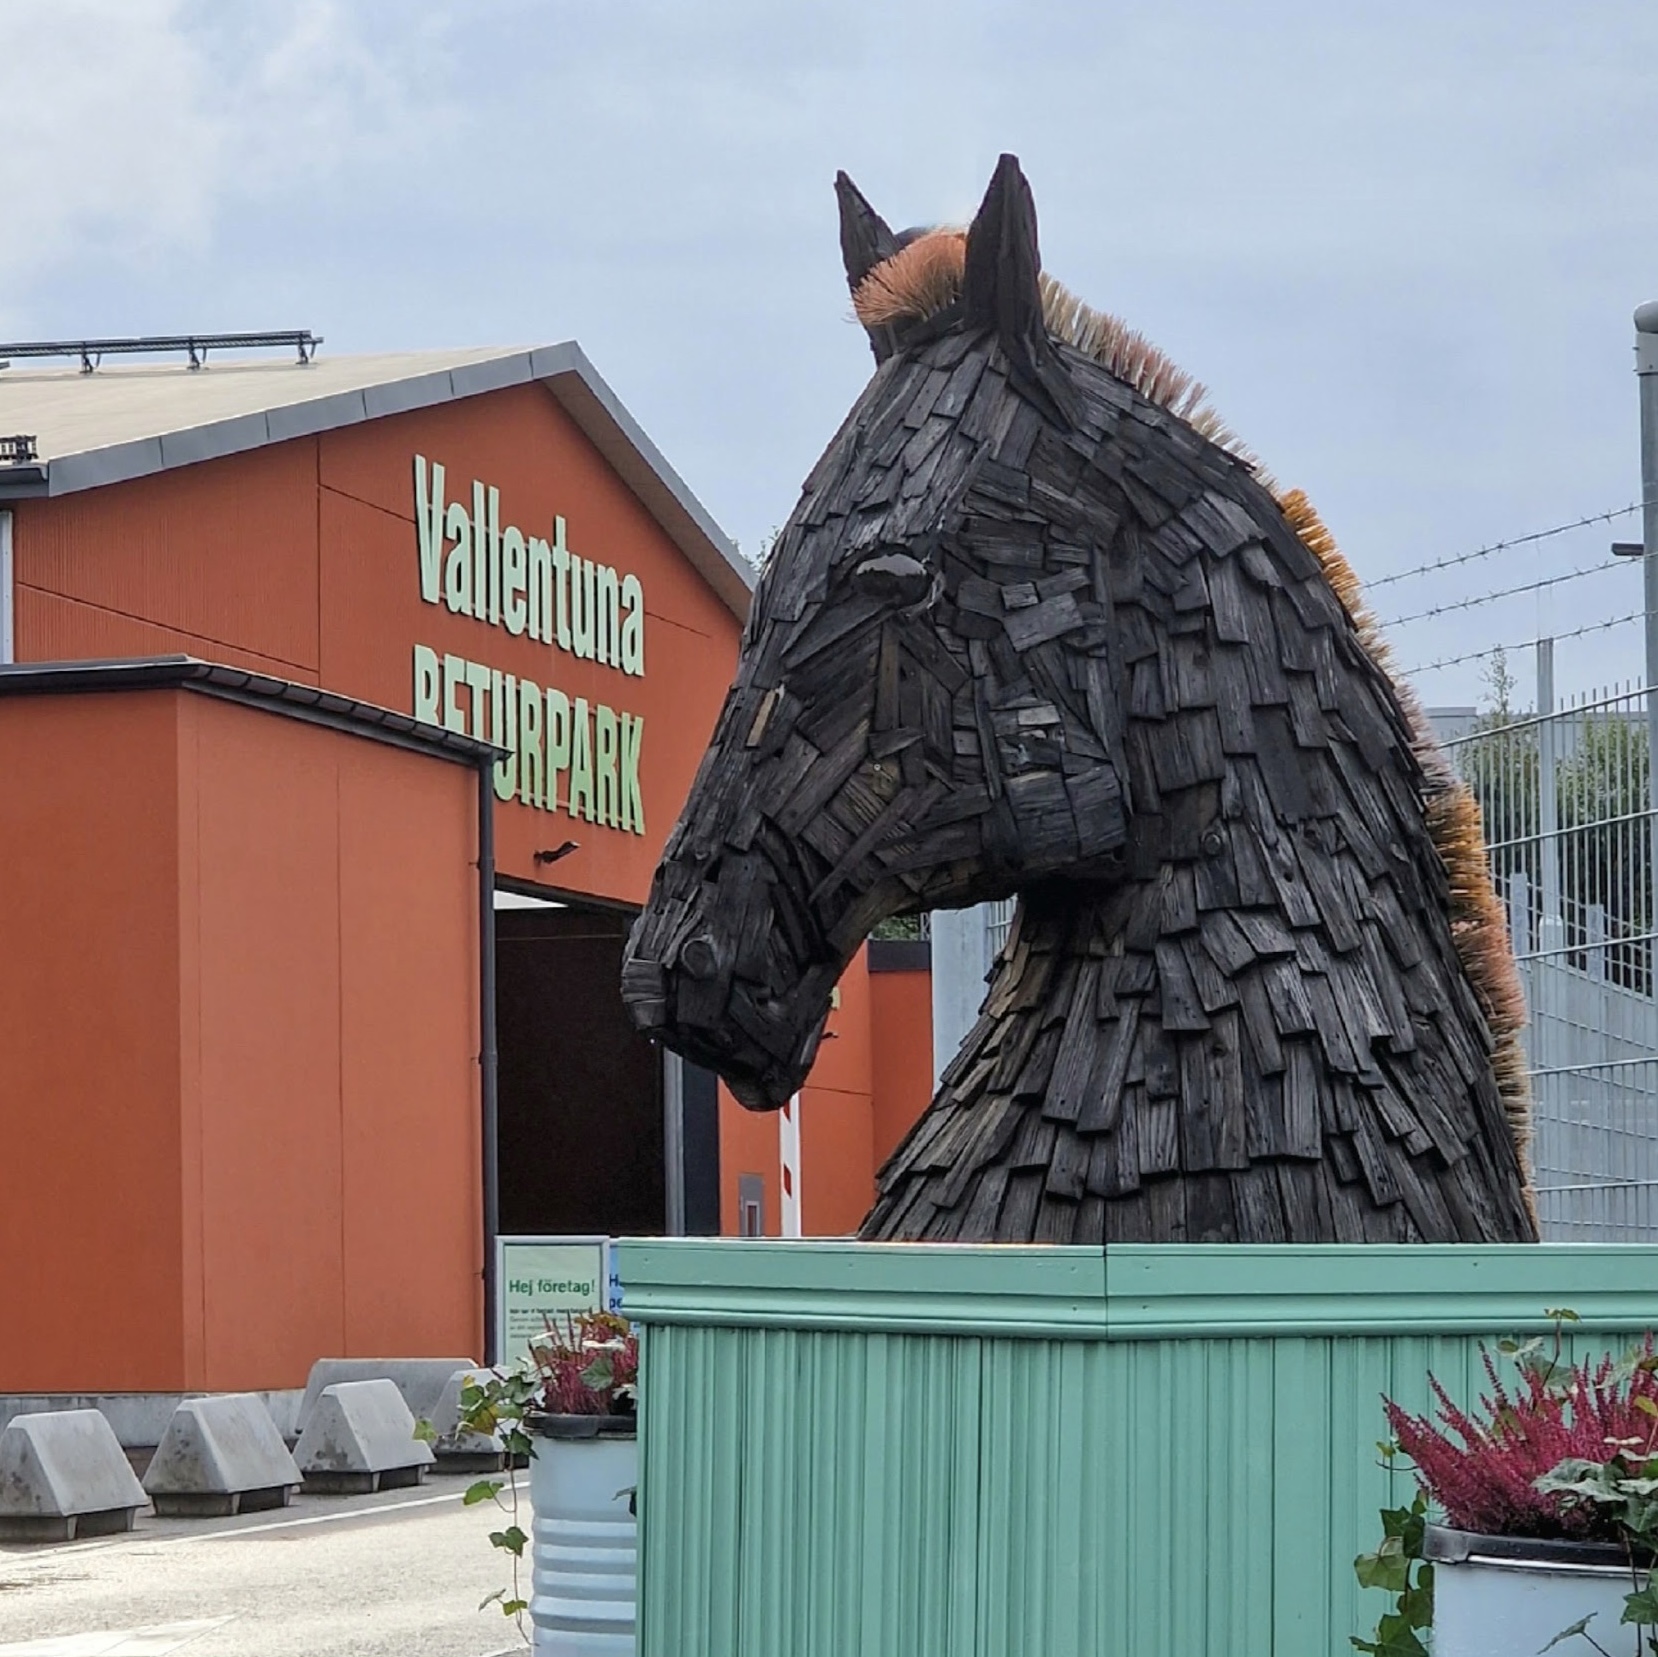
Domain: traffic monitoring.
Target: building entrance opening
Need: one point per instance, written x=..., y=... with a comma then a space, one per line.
x=583, y=1132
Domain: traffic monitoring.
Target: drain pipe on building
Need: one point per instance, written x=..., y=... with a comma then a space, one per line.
x=487, y=1057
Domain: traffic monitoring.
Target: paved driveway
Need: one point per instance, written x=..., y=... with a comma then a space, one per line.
x=394, y=1575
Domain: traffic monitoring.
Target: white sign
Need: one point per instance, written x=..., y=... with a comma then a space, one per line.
x=542, y=1280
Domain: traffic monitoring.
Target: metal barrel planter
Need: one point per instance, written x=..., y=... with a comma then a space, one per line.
x=1502, y=1594
x=583, y=1539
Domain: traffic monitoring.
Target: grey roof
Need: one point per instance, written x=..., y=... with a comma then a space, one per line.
x=127, y=422
x=235, y=684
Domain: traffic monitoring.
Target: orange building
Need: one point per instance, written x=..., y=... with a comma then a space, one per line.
x=347, y=704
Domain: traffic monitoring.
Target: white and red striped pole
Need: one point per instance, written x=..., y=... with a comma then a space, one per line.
x=788, y=1148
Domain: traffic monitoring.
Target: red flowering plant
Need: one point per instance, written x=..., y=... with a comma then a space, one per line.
x=589, y=1365
x=1509, y=1468
x=1561, y=1451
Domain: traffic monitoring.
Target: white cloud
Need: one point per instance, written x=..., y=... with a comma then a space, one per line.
x=127, y=124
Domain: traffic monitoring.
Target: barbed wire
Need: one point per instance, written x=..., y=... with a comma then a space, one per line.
x=1506, y=592
x=1503, y=546
x=1524, y=644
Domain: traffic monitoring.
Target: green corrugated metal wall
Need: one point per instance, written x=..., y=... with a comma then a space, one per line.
x=854, y=1450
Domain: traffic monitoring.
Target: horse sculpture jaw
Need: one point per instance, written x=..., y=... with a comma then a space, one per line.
x=682, y=987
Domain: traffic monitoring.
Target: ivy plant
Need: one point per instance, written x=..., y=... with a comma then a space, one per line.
x=1398, y=1568
x=499, y=1407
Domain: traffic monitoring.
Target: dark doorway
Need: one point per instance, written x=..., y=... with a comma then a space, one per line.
x=580, y=1090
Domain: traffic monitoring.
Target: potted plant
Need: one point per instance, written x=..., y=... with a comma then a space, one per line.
x=1549, y=1493
x=570, y=1409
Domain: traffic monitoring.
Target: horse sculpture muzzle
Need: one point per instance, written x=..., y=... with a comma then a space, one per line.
x=710, y=934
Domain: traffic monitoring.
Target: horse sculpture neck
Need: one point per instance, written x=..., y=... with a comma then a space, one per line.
x=1214, y=1051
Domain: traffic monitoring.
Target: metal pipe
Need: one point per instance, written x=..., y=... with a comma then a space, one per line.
x=487, y=1066
x=673, y=1141
x=1548, y=798
x=8, y=640
x=1646, y=371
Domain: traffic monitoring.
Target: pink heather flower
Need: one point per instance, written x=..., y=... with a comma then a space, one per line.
x=589, y=1366
x=1480, y=1467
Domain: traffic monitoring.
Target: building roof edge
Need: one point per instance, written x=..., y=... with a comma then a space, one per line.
x=564, y=369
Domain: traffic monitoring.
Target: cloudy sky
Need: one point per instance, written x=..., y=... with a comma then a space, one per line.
x=1400, y=242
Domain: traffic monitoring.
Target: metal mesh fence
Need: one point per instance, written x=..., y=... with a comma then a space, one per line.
x=998, y=919
x=1566, y=796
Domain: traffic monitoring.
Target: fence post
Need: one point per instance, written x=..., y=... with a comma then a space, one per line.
x=1519, y=914
x=1594, y=929
x=1548, y=803
x=1646, y=371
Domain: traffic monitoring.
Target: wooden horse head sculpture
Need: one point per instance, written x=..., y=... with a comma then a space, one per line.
x=1039, y=627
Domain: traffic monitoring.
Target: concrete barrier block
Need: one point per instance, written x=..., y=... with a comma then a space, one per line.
x=140, y=1418
x=64, y=1474
x=221, y=1455
x=420, y=1380
x=361, y=1436
x=459, y=1451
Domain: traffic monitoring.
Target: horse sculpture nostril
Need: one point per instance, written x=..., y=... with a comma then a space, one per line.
x=698, y=959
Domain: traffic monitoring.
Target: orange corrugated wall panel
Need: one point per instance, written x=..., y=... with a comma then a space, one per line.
x=337, y=974
x=209, y=559
x=837, y=1171
x=901, y=1038
x=238, y=1008
x=91, y=1173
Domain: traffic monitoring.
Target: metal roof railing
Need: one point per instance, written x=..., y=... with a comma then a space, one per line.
x=92, y=351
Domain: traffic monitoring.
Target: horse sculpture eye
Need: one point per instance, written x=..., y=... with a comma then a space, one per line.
x=895, y=577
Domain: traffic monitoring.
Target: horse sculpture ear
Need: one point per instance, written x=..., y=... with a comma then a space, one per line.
x=866, y=238
x=1002, y=290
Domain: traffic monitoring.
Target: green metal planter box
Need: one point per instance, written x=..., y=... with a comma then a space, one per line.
x=862, y=1450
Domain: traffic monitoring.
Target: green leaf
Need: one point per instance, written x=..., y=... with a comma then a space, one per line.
x=425, y=1431
x=1561, y=1314
x=511, y=1540
x=513, y=1606
x=600, y=1373
x=485, y=1490
x=1569, y=1633
x=1641, y=1607
x=1395, y=1638
x=1387, y=1568
x=1416, y=1605
x=1645, y=1405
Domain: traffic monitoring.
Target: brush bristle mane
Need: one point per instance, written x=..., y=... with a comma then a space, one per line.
x=925, y=276
x=1479, y=923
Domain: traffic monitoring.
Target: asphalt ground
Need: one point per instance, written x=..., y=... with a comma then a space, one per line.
x=397, y=1574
